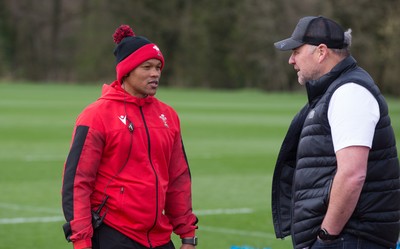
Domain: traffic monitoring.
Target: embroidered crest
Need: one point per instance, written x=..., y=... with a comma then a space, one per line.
x=164, y=119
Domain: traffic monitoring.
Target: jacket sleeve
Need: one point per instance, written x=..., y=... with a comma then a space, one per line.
x=78, y=181
x=179, y=196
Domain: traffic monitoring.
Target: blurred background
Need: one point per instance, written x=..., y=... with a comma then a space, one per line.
x=61, y=51
x=225, y=44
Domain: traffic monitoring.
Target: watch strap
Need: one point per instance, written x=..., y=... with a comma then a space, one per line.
x=190, y=241
x=324, y=235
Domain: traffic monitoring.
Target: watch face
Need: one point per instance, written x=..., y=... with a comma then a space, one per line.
x=322, y=234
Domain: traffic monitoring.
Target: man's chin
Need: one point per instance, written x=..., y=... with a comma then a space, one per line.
x=301, y=81
x=152, y=93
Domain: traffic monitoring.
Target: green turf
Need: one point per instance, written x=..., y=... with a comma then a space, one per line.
x=231, y=139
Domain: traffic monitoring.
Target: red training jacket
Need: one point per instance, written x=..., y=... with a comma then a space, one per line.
x=129, y=149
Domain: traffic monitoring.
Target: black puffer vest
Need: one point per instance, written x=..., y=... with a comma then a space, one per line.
x=306, y=166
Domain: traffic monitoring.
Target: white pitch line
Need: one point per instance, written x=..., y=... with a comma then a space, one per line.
x=21, y=220
x=24, y=220
x=202, y=228
x=29, y=208
x=236, y=232
x=224, y=211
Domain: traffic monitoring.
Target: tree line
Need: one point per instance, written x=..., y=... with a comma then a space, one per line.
x=206, y=43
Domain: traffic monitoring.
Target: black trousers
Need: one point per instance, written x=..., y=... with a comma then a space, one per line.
x=105, y=237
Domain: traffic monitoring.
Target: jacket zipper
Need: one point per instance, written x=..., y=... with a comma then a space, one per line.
x=155, y=174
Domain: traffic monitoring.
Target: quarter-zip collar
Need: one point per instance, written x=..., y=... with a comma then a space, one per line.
x=116, y=92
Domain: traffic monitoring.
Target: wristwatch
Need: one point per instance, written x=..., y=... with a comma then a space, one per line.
x=190, y=241
x=324, y=235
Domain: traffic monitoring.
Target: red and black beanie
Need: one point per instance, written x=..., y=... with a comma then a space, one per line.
x=132, y=50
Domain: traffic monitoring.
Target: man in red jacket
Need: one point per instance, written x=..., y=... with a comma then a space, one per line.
x=126, y=181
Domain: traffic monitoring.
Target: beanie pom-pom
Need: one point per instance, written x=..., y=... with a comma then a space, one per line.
x=121, y=32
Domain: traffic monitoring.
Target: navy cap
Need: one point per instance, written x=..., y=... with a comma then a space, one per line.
x=314, y=30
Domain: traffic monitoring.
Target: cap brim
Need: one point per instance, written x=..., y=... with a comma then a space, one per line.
x=287, y=44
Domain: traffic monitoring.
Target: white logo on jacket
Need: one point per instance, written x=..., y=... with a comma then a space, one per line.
x=311, y=114
x=164, y=119
x=123, y=119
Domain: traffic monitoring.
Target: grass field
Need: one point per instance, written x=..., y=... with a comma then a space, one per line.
x=231, y=139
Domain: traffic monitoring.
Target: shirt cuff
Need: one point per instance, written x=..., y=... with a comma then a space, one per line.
x=188, y=235
x=80, y=244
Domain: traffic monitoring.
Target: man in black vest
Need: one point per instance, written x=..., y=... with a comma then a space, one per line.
x=336, y=182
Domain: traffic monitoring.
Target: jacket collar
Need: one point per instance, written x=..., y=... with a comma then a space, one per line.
x=116, y=92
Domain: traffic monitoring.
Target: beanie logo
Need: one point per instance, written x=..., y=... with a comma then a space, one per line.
x=157, y=49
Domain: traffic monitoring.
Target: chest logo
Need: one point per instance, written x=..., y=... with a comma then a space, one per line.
x=311, y=114
x=123, y=119
x=164, y=119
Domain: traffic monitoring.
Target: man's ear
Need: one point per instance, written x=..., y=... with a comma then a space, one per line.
x=322, y=51
x=124, y=77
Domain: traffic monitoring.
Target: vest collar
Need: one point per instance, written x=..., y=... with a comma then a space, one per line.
x=316, y=88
